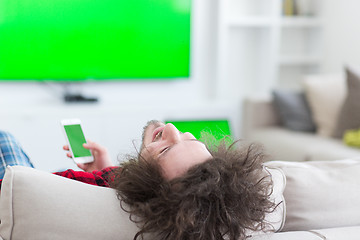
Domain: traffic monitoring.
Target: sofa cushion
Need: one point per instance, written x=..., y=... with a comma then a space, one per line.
x=346, y=233
x=349, y=115
x=286, y=145
x=295, y=235
x=42, y=206
x=325, y=95
x=321, y=194
x=293, y=110
x=52, y=207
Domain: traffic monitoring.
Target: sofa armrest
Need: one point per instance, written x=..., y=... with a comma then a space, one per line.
x=258, y=113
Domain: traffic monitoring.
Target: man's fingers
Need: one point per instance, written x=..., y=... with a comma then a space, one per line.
x=92, y=146
x=81, y=166
x=66, y=148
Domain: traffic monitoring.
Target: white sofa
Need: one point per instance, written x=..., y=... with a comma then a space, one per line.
x=321, y=203
x=261, y=124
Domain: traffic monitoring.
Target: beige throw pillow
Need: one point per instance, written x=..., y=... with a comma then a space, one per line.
x=349, y=116
x=325, y=95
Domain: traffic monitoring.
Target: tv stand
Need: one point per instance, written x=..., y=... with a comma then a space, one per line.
x=70, y=95
x=78, y=98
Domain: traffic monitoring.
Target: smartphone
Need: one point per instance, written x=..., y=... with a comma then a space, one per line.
x=75, y=139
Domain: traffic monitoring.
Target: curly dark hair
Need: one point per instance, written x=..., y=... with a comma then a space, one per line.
x=223, y=198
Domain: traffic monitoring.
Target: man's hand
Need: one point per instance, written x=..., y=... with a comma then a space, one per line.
x=101, y=157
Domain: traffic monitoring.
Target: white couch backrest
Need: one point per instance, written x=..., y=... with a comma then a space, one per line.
x=321, y=194
x=40, y=206
x=35, y=205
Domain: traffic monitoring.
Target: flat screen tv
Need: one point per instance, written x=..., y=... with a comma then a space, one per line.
x=77, y=40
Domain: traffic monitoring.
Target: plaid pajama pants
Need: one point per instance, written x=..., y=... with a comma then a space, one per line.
x=11, y=153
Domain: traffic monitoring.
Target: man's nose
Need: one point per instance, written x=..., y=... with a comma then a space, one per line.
x=171, y=134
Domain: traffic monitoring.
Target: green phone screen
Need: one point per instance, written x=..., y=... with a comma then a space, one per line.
x=77, y=139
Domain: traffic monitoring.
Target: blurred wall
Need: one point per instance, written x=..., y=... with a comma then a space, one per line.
x=341, y=34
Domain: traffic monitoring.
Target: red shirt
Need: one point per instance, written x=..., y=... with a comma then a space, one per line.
x=99, y=178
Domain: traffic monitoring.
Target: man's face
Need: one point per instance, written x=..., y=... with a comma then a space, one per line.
x=174, y=151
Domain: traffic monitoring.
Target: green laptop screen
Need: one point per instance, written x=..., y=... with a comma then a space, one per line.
x=77, y=40
x=217, y=128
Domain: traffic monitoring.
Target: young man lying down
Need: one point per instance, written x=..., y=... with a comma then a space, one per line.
x=177, y=187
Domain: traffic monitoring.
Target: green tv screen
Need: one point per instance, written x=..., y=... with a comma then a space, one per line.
x=78, y=40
